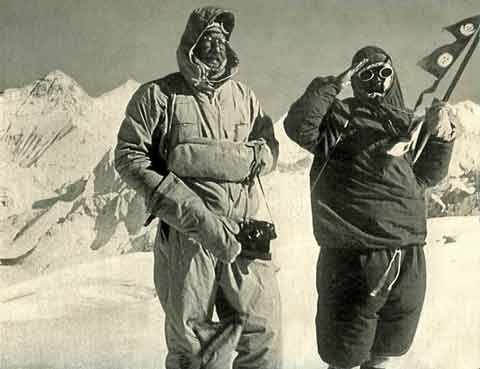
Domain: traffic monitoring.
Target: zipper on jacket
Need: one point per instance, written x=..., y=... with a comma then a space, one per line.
x=219, y=113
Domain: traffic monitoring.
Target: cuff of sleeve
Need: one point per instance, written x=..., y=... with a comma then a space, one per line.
x=328, y=82
x=450, y=138
x=164, y=186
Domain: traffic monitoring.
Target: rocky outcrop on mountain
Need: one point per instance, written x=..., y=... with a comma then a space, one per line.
x=41, y=114
x=55, y=126
x=55, y=92
x=61, y=198
x=459, y=193
x=19, y=187
x=96, y=215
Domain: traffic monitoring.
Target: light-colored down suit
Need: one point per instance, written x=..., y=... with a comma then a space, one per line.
x=186, y=144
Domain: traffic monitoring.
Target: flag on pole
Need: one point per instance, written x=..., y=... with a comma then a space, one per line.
x=441, y=59
x=465, y=29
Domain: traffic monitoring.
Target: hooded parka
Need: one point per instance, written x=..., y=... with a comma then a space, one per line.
x=368, y=213
x=361, y=196
x=188, y=144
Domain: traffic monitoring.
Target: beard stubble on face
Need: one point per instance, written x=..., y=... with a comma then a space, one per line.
x=213, y=55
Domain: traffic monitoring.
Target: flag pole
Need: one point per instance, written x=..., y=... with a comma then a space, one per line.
x=452, y=86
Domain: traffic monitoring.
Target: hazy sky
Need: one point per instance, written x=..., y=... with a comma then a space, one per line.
x=282, y=44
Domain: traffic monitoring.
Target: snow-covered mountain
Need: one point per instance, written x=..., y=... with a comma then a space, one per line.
x=55, y=92
x=53, y=125
x=113, y=102
x=65, y=216
x=65, y=191
x=459, y=193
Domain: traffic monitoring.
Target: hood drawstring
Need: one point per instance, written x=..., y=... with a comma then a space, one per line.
x=383, y=280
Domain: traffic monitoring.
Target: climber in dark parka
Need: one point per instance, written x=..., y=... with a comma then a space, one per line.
x=368, y=207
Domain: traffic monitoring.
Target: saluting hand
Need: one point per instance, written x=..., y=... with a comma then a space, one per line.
x=344, y=79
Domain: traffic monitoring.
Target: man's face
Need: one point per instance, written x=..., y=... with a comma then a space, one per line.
x=212, y=50
x=376, y=79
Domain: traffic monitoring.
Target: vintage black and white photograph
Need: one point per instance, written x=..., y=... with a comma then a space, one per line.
x=239, y=184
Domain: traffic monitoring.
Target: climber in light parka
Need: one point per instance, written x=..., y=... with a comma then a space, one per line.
x=191, y=143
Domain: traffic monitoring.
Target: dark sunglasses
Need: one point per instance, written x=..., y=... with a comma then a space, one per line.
x=382, y=71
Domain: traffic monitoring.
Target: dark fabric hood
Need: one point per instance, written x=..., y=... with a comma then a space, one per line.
x=374, y=54
x=191, y=68
x=392, y=105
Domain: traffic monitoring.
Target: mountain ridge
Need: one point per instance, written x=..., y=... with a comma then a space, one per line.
x=81, y=206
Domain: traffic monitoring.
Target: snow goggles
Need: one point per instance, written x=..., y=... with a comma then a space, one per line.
x=380, y=69
x=210, y=42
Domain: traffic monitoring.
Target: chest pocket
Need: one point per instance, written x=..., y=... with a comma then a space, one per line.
x=186, y=120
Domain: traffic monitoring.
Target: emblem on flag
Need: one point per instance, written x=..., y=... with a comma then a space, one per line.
x=464, y=29
x=467, y=29
x=444, y=60
x=439, y=62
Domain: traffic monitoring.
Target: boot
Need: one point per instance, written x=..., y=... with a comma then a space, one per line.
x=375, y=362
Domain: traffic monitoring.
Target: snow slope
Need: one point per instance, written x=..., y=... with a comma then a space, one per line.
x=75, y=303
x=103, y=314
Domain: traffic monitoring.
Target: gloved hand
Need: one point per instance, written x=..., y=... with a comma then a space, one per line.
x=174, y=203
x=439, y=120
x=262, y=158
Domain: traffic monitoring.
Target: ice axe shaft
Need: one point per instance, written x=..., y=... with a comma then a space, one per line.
x=452, y=86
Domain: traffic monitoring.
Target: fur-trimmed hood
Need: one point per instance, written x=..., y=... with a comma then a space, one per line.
x=190, y=66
